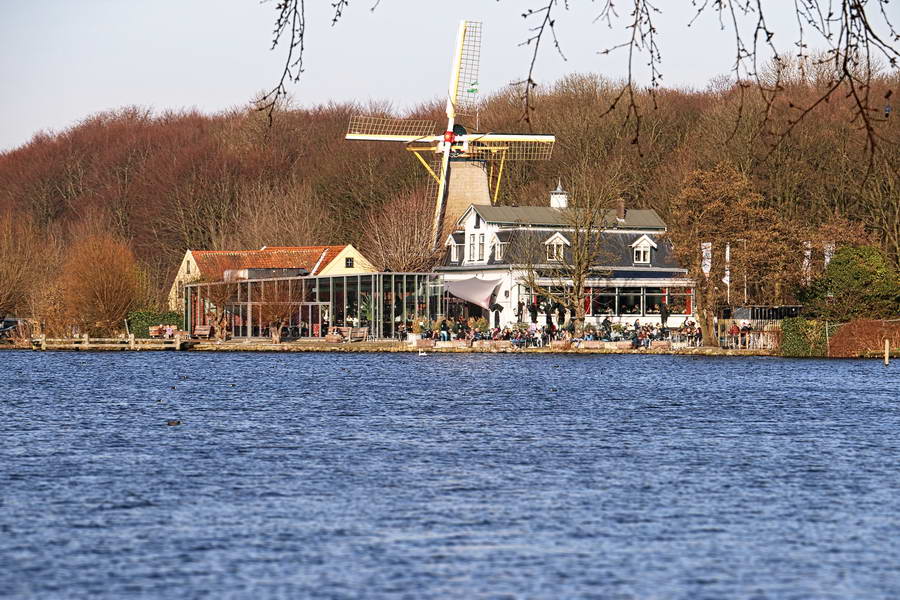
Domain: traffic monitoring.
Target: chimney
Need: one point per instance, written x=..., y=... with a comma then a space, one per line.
x=620, y=210
x=559, y=198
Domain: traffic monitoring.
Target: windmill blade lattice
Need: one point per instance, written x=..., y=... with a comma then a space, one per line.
x=511, y=149
x=466, y=100
x=382, y=128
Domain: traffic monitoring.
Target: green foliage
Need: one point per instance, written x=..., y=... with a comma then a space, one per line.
x=858, y=283
x=139, y=321
x=802, y=337
x=367, y=309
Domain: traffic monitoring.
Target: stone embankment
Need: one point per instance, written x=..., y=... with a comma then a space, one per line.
x=452, y=348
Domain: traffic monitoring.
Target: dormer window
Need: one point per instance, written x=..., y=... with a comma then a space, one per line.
x=641, y=248
x=499, y=249
x=556, y=247
x=555, y=252
x=454, y=253
x=642, y=255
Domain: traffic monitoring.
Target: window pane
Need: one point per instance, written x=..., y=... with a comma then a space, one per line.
x=679, y=300
x=603, y=301
x=629, y=301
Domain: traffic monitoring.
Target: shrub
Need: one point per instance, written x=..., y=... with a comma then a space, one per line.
x=140, y=321
x=802, y=337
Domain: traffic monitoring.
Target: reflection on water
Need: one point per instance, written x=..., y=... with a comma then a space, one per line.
x=461, y=476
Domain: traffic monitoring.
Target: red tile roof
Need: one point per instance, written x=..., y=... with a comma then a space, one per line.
x=213, y=263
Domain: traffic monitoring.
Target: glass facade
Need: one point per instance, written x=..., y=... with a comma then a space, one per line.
x=386, y=303
x=630, y=301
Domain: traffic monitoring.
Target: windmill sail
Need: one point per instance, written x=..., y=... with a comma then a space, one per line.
x=388, y=130
x=465, y=97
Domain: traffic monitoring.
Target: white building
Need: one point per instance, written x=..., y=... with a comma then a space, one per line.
x=637, y=278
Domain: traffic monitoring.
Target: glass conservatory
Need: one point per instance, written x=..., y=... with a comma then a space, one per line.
x=386, y=303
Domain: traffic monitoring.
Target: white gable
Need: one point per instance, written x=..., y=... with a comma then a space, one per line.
x=644, y=241
x=558, y=238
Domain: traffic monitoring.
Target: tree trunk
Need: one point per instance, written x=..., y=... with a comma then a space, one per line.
x=705, y=300
x=275, y=331
x=579, y=320
x=221, y=323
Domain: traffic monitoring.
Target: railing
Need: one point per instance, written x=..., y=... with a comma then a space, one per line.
x=85, y=342
x=764, y=334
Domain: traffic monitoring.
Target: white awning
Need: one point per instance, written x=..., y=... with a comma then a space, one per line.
x=474, y=290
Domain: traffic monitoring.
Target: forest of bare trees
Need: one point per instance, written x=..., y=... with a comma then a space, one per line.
x=161, y=183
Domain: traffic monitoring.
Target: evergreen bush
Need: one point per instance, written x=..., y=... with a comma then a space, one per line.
x=140, y=321
x=803, y=337
x=859, y=283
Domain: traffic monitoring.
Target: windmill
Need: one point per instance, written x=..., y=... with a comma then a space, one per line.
x=479, y=157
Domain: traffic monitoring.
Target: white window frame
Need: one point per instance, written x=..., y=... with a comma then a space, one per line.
x=642, y=255
x=471, y=246
x=642, y=250
x=555, y=252
x=480, y=246
x=499, y=249
x=454, y=252
x=556, y=247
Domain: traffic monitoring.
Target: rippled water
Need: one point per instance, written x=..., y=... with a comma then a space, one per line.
x=447, y=476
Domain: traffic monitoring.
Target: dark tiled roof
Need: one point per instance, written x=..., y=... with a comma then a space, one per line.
x=615, y=251
x=635, y=218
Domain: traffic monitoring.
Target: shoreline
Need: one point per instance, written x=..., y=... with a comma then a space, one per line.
x=393, y=347
x=402, y=347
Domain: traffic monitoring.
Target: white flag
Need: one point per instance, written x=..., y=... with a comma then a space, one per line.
x=727, y=279
x=706, y=264
x=807, y=262
x=828, y=250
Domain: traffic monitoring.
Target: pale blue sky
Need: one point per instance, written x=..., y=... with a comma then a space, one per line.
x=62, y=60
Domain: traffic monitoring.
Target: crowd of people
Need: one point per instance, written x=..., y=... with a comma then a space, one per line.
x=534, y=335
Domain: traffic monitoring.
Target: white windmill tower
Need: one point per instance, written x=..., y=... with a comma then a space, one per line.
x=478, y=158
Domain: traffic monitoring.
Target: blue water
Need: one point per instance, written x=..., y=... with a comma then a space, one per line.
x=447, y=476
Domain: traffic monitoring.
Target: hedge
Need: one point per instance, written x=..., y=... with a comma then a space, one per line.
x=140, y=321
x=802, y=337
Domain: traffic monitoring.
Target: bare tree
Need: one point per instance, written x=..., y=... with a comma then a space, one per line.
x=100, y=283
x=882, y=202
x=560, y=273
x=220, y=294
x=275, y=306
x=20, y=250
x=398, y=236
x=268, y=214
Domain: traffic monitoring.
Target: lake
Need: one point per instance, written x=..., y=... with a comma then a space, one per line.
x=447, y=476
